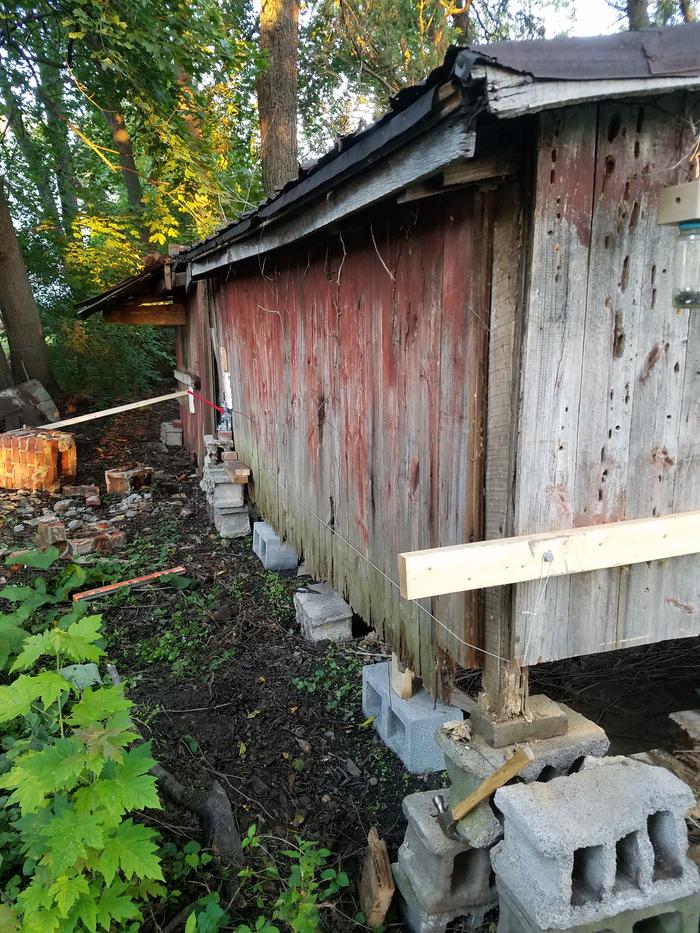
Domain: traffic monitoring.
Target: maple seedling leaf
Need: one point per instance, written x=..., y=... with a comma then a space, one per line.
x=106, y=742
x=132, y=849
x=68, y=837
x=66, y=891
x=16, y=700
x=97, y=705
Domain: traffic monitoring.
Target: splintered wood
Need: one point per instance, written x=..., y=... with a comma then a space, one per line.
x=376, y=881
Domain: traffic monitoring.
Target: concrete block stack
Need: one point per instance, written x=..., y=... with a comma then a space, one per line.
x=438, y=878
x=323, y=614
x=225, y=499
x=274, y=553
x=604, y=848
x=406, y=726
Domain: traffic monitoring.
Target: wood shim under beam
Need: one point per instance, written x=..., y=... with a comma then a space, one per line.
x=437, y=571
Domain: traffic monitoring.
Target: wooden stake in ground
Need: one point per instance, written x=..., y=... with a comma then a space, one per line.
x=376, y=881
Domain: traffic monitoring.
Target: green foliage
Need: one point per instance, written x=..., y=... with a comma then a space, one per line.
x=302, y=885
x=277, y=594
x=337, y=680
x=74, y=775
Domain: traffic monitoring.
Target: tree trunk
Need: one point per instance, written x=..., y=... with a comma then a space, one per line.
x=28, y=353
x=277, y=92
x=33, y=153
x=687, y=11
x=6, y=380
x=638, y=14
x=460, y=22
x=57, y=132
x=127, y=163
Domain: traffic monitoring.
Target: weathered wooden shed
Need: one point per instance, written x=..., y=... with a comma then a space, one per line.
x=458, y=325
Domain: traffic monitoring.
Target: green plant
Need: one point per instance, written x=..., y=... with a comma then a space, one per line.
x=337, y=680
x=75, y=776
x=306, y=884
x=276, y=594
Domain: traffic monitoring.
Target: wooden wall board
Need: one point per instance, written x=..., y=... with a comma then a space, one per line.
x=154, y=315
x=606, y=426
x=336, y=349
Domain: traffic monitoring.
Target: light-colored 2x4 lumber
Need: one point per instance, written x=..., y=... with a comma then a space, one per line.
x=437, y=571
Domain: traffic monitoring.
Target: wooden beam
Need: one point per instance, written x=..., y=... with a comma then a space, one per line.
x=105, y=413
x=436, y=571
x=187, y=378
x=448, y=142
x=156, y=315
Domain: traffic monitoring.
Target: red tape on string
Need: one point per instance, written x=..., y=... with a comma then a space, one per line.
x=207, y=402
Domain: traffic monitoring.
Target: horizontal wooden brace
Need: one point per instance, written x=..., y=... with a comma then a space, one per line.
x=156, y=315
x=105, y=413
x=437, y=571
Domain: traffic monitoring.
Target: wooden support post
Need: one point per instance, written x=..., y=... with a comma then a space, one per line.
x=401, y=678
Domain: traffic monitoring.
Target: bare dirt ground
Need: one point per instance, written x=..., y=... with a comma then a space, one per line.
x=226, y=689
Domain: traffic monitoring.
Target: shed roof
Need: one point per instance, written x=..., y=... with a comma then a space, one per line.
x=505, y=78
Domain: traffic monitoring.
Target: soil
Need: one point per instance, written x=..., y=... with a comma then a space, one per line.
x=226, y=689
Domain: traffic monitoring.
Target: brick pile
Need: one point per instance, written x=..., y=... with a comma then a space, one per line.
x=36, y=459
x=98, y=536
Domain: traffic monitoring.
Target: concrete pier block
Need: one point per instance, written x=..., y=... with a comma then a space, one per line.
x=407, y=726
x=227, y=496
x=418, y=919
x=607, y=839
x=323, y=614
x=553, y=757
x=678, y=916
x=232, y=523
x=171, y=433
x=268, y=546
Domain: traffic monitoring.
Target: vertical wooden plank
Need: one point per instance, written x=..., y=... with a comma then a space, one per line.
x=552, y=352
x=505, y=323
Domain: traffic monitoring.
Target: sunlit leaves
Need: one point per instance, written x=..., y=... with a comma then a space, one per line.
x=132, y=849
x=76, y=643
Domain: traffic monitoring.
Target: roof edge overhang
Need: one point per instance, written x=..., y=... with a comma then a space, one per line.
x=511, y=94
x=431, y=133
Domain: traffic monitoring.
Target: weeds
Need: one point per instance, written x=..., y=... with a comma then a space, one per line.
x=337, y=680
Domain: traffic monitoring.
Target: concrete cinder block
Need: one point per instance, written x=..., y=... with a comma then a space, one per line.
x=227, y=496
x=678, y=916
x=407, y=726
x=445, y=874
x=232, y=523
x=481, y=830
x=268, y=546
x=171, y=433
x=608, y=838
x=322, y=613
x=553, y=757
x=418, y=919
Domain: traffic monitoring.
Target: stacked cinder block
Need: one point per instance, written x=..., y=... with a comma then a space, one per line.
x=274, y=553
x=225, y=499
x=323, y=614
x=406, y=726
x=37, y=460
x=439, y=878
x=604, y=848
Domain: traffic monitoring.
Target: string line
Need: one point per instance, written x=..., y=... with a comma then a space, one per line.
x=379, y=570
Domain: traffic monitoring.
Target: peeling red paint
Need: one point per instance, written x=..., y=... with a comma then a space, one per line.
x=660, y=457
